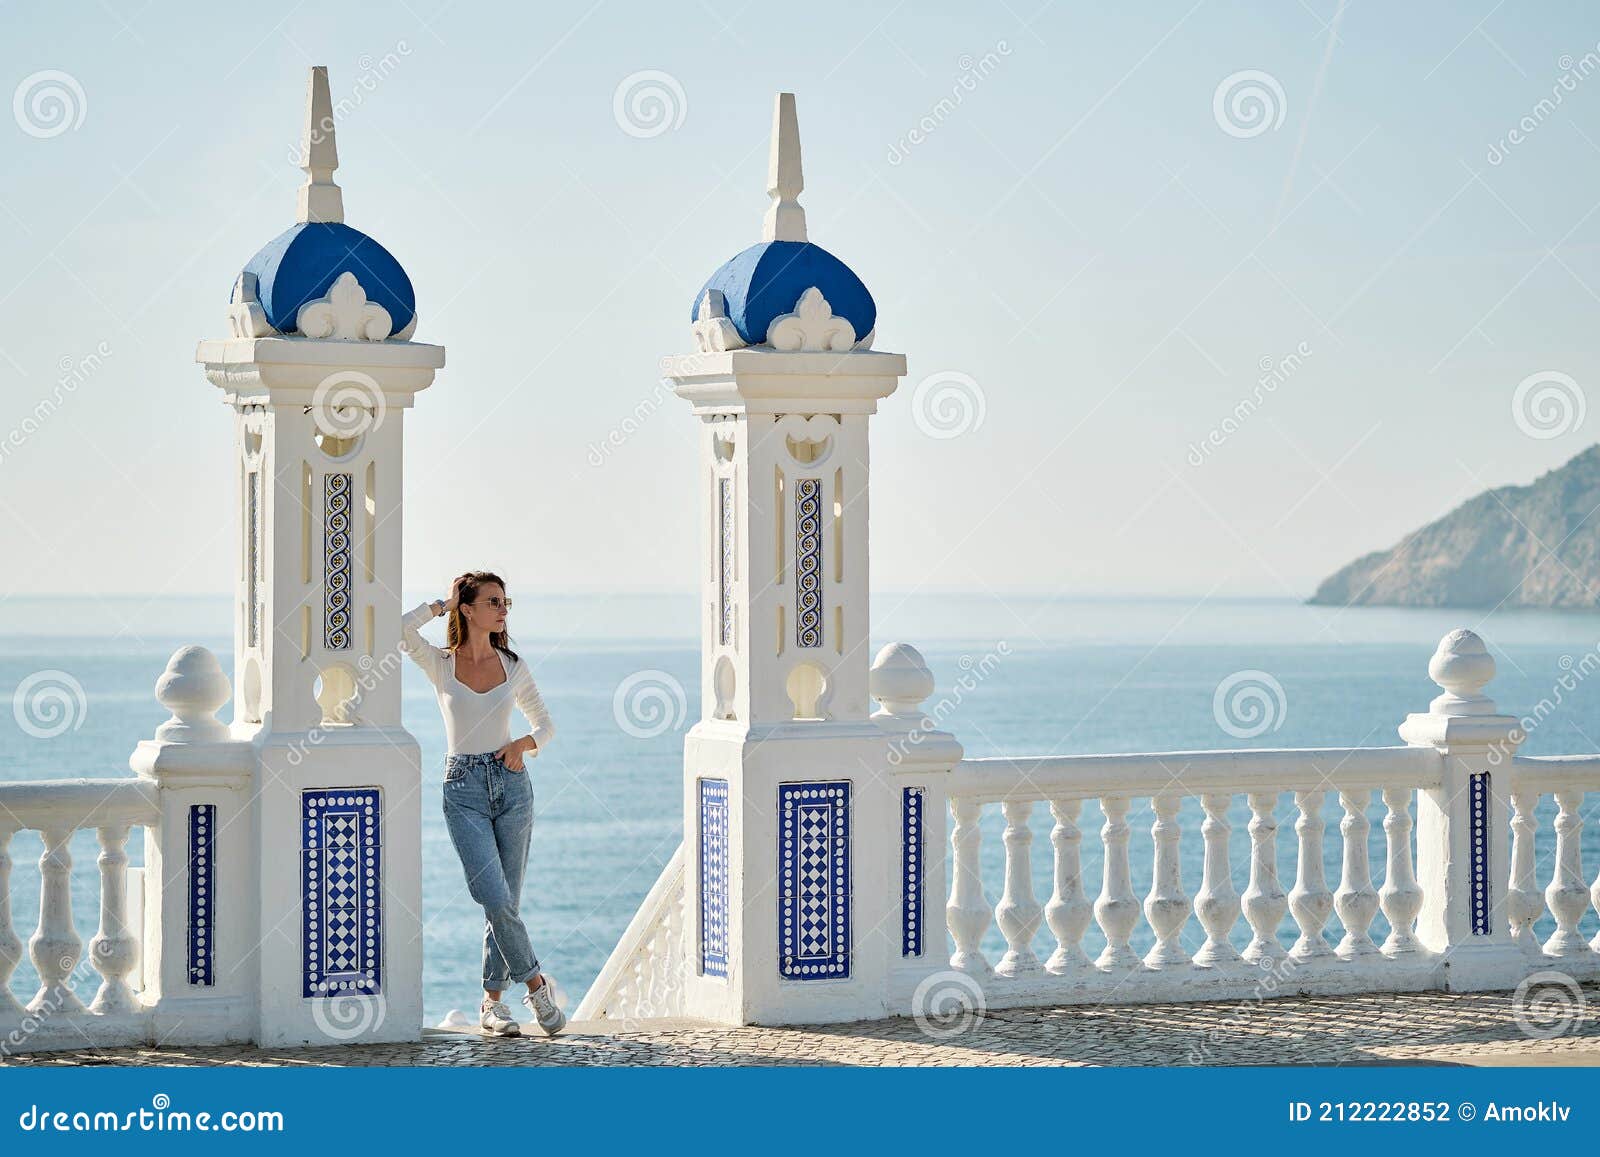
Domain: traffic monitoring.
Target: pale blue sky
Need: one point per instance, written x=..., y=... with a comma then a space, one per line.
x=1080, y=237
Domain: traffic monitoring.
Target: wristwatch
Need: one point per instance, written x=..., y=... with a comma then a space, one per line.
x=438, y=607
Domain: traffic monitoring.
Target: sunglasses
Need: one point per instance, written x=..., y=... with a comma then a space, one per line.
x=496, y=603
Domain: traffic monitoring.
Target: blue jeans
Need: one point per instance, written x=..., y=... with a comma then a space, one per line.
x=488, y=809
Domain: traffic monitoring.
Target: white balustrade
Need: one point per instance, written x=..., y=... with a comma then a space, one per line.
x=1216, y=904
x=57, y=810
x=967, y=913
x=1309, y=899
x=1356, y=901
x=1400, y=897
x=1568, y=894
x=1264, y=901
x=1018, y=911
x=1166, y=907
x=1068, y=913
x=1117, y=909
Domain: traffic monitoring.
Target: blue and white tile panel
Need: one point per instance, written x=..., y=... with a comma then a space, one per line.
x=714, y=877
x=341, y=874
x=814, y=880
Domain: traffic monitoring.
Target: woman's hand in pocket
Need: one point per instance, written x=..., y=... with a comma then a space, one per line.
x=512, y=753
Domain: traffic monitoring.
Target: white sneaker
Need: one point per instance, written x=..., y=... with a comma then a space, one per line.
x=543, y=1005
x=495, y=1019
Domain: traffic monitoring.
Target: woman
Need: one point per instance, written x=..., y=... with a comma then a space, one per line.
x=488, y=801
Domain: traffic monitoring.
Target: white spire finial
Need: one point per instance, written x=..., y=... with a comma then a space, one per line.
x=786, y=220
x=320, y=198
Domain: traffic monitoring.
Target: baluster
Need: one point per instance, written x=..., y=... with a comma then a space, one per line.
x=1216, y=904
x=1524, y=904
x=1356, y=901
x=114, y=946
x=1068, y=912
x=1117, y=908
x=1310, y=900
x=1401, y=897
x=10, y=946
x=967, y=912
x=1166, y=907
x=55, y=947
x=1264, y=903
x=1018, y=911
x=1567, y=894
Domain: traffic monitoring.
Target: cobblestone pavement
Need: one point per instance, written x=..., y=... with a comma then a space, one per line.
x=1414, y=1028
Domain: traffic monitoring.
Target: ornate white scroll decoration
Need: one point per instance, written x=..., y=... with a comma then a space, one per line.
x=345, y=314
x=812, y=326
x=713, y=332
x=809, y=440
x=246, y=318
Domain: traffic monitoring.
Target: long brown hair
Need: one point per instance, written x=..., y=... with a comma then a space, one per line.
x=456, y=629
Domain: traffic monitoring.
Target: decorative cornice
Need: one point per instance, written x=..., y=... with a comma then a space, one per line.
x=345, y=314
x=812, y=326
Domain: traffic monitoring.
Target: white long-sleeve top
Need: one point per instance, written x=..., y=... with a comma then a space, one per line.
x=474, y=721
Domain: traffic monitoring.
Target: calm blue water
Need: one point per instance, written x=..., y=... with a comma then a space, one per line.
x=1082, y=676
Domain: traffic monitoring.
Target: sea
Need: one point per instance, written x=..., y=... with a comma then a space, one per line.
x=1016, y=674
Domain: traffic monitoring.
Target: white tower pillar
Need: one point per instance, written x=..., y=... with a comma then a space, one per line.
x=793, y=815
x=319, y=370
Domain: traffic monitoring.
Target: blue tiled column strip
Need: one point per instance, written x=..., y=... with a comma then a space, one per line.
x=911, y=861
x=202, y=891
x=1478, y=796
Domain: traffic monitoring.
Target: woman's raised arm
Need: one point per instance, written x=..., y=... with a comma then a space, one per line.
x=431, y=659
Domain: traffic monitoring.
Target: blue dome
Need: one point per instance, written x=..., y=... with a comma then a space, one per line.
x=767, y=279
x=301, y=265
